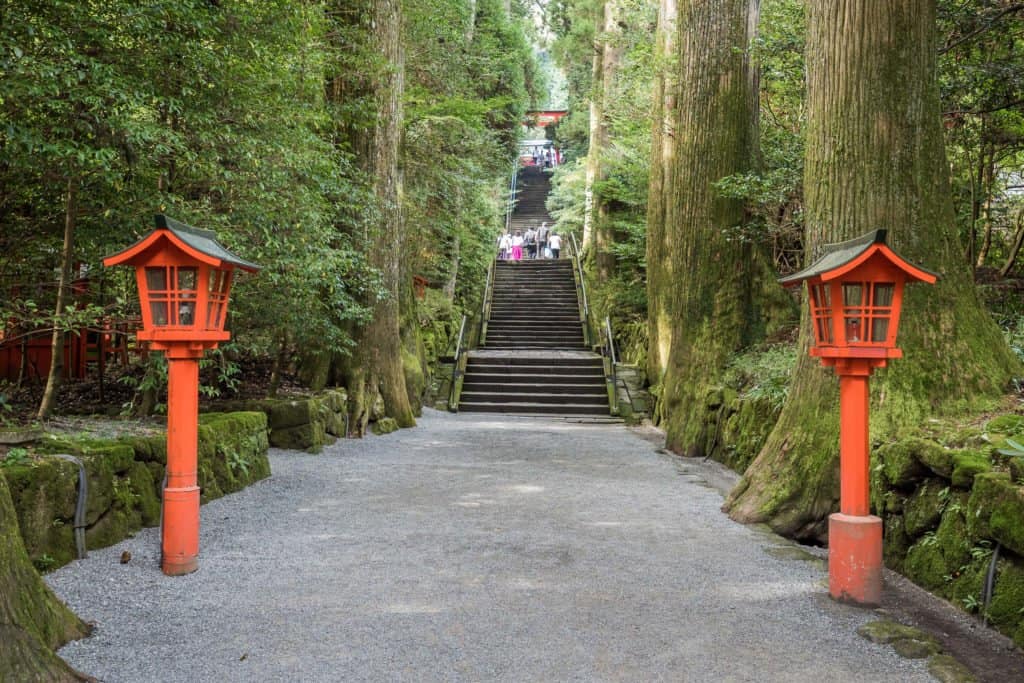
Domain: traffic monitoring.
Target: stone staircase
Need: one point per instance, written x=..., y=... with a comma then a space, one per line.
x=534, y=358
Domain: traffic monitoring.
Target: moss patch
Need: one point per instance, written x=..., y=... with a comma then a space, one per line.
x=967, y=465
x=907, y=641
x=945, y=669
x=384, y=425
x=996, y=510
x=899, y=463
x=923, y=508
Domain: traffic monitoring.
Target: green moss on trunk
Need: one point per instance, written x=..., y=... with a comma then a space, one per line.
x=33, y=622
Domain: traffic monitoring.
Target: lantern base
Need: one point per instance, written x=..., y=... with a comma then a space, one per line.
x=855, y=559
x=180, y=535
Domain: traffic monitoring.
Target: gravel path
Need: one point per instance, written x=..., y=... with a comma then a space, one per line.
x=473, y=548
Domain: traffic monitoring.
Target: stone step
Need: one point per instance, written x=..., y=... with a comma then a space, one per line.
x=564, y=360
x=588, y=399
x=517, y=387
x=533, y=408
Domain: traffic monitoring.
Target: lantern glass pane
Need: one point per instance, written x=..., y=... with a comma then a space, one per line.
x=186, y=313
x=158, y=309
x=854, y=330
x=186, y=278
x=853, y=294
x=884, y=293
x=156, y=280
x=880, y=329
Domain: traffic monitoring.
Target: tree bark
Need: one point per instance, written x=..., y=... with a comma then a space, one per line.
x=376, y=361
x=875, y=159
x=611, y=56
x=33, y=622
x=593, y=167
x=663, y=136
x=989, y=189
x=53, y=378
x=712, y=284
x=1018, y=242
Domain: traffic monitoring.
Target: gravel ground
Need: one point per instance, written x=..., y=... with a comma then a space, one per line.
x=473, y=548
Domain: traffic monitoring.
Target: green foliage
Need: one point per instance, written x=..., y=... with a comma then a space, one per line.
x=1015, y=450
x=44, y=563
x=15, y=457
x=981, y=77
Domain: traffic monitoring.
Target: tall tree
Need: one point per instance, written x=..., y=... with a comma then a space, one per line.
x=662, y=165
x=714, y=277
x=375, y=364
x=607, y=58
x=875, y=159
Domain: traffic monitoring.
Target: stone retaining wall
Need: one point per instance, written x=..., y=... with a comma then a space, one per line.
x=307, y=423
x=125, y=477
x=948, y=510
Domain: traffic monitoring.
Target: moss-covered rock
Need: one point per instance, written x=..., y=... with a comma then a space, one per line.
x=744, y=431
x=936, y=559
x=44, y=496
x=967, y=465
x=295, y=413
x=935, y=457
x=996, y=510
x=144, y=490
x=384, y=425
x=1006, y=609
x=899, y=463
x=309, y=437
x=896, y=542
x=923, y=508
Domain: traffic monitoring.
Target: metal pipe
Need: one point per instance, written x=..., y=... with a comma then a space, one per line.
x=83, y=495
x=611, y=341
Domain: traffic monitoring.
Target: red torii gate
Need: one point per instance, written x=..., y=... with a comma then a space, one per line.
x=542, y=118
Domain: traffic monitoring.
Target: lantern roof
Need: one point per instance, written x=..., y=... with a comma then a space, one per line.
x=842, y=257
x=198, y=243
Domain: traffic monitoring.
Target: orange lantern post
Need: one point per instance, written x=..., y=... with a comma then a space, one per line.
x=184, y=277
x=856, y=295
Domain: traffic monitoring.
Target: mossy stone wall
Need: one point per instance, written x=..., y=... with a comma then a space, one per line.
x=305, y=424
x=125, y=477
x=735, y=427
x=948, y=510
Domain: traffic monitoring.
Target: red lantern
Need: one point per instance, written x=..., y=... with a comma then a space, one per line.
x=856, y=295
x=184, y=278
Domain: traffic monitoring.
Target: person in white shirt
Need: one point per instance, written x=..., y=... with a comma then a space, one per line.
x=504, y=246
x=554, y=244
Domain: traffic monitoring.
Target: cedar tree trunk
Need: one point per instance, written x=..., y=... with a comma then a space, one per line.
x=375, y=365
x=875, y=159
x=711, y=284
x=663, y=134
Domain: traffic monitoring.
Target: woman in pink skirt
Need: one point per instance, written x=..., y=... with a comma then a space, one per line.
x=517, y=246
